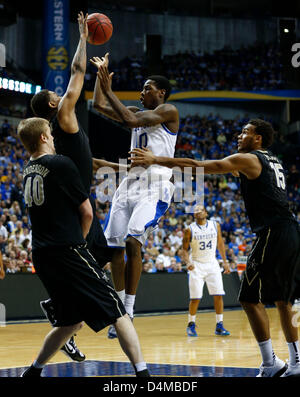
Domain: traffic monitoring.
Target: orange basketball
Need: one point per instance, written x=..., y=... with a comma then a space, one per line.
x=100, y=28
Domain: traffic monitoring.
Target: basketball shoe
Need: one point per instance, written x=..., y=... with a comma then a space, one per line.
x=292, y=370
x=220, y=330
x=70, y=348
x=72, y=351
x=32, y=372
x=273, y=371
x=191, y=329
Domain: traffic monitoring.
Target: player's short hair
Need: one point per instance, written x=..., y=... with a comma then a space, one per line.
x=30, y=130
x=40, y=105
x=197, y=207
x=162, y=82
x=265, y=129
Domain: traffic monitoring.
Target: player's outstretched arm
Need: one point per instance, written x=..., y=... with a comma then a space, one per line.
x=100, y=101
x=117, y=167
x=246, y=163
x=66, y=109
x=130, y=116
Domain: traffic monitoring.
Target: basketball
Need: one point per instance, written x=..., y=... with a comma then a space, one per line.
x=100, y=28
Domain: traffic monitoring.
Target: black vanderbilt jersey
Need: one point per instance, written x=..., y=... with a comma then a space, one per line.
x=266, y=196
x=77, y=148
x=53, y=192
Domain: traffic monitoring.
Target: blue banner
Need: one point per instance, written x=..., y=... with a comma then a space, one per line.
x=56, y=45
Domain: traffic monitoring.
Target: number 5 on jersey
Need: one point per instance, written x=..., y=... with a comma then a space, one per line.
x=34, y=191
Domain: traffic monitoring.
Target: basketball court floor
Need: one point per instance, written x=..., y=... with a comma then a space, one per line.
x=167, y=349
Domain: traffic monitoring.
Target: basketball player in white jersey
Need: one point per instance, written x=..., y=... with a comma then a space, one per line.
x=203, y=237
x=145, y=194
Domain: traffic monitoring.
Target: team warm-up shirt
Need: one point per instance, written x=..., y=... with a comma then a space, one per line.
x=160, y=140
x=53, y=192
x=203, y=243
x=266, y=196
x=77, y=148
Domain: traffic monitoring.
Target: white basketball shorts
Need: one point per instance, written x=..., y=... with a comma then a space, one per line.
x=136, y=209
x=209, y=273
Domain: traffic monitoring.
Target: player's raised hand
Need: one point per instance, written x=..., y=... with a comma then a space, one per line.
x=82, y=24
x=96, y=61
x=105, y=77
x=142, y=156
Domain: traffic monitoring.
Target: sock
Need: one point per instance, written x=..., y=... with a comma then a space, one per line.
x=219, y=318
x=267, y=353
x=140, y=366
x=121, y=295
x=36, y=365
x=141, y=370
x=192, y=319
x=294, y=353
x=129, y=303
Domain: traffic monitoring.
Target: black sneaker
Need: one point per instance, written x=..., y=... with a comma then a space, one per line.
x=72, y=351
x=143, y=374
x=48, y=309
x=32, y=371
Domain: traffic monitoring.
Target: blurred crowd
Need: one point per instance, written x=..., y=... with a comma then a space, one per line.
x=199, y=137
x=253, y=68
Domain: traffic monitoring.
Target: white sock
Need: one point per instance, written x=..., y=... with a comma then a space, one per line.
x=35, y=364
x=219, y=318
x=140, y=366
x=129, y=303
x=121, y=295
x=267, y=353
x=294, y=352
x=192, y=318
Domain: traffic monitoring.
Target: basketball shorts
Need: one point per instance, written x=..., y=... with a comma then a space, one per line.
x=209, y=273
x=78, y=287
x=136, y=210
x=96, y=240
x=273, y=266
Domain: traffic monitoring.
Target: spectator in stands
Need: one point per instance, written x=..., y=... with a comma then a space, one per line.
x=148, y=259
x=164, y=258
x=147, y=268
x=5, y=129
x=159, y=265
x=175, y=266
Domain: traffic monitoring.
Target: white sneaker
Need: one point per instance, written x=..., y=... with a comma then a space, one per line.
x=292, y=370
x=274, y=370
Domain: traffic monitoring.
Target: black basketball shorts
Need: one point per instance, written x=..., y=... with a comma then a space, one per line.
x=273, y=266
x=78, y=287
x=96, y=240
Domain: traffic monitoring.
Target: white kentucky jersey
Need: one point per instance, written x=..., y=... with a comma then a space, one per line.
x=204, y=242
x=160, y=140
